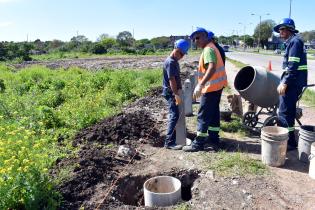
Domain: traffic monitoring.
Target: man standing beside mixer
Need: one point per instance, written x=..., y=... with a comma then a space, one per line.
x=211, y=81
x=294, y=77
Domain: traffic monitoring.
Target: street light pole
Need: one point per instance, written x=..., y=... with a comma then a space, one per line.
x=243, y=33
x=259, y=32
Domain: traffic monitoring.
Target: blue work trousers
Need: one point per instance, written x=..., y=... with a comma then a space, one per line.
x=209, y=115
x=287, y=111
x=172, y=120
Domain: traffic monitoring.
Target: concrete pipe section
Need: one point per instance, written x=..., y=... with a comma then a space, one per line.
x=258, y=86
x=162, y=191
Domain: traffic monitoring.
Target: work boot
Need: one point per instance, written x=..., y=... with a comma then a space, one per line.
x=196, y=145
x=173, y=147
x=192, y=148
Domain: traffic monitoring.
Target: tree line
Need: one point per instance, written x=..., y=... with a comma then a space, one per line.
x=124, y=43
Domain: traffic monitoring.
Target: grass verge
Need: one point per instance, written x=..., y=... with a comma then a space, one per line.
x=309, y=97
x=234, y=164
x=238, y=64
x=41, y=110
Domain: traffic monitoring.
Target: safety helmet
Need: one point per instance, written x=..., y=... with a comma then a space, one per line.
x=210, y=35
x=183, y=45
x=198, y=30
x=286, y=22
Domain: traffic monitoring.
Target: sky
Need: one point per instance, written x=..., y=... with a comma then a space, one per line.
x=22, y=20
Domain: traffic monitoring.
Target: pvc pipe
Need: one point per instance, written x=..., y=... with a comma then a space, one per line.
x=187, y=98
x=162, y=191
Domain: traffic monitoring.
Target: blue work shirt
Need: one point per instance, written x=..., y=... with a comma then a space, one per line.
x=294, y=63
x=170, y=69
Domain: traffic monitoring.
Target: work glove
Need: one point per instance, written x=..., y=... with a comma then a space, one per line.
x=281, y=89
x=197, y=91
x=178, y=100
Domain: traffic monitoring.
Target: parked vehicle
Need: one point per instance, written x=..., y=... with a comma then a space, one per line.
x=226, y=48
x=277, y=51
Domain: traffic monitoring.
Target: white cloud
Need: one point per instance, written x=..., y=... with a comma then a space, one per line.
x=5, y=24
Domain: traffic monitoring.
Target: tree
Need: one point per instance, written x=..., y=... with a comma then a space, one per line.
x=3, y=51
x=79, y=38
x=308, y=35
x=108, y=42
x=161, y=42
x=125, y=39
x=142, y=43
x=249, y=41
x=39, y=45
x=266, y=29
x=55, y=44
x=101, y=37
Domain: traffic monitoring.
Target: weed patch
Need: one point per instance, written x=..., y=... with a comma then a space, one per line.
x=41, y=110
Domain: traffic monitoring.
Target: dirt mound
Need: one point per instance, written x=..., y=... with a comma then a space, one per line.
x=96, y=164
x=93, y=165
x=121, y=129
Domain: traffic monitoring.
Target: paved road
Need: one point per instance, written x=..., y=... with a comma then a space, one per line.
x=276, y=62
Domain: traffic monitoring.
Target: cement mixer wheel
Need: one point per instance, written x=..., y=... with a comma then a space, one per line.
x=271, y=109
x=250, y=119
x=271, y=121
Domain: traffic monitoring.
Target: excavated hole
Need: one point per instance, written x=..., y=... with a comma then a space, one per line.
x=129, y=189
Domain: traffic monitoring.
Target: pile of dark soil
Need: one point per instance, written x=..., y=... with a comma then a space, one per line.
x=120, y=129
x=96, y=162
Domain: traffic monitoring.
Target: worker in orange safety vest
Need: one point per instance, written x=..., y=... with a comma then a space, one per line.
x=211, y=81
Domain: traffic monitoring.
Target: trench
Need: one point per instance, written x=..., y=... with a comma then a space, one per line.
x=129, y=190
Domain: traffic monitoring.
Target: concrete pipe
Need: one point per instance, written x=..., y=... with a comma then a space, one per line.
x=258, y=86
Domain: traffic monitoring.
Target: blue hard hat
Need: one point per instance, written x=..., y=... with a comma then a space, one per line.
x=198, y=30
x=210, y=34
x=183, y=45
x=286, y=22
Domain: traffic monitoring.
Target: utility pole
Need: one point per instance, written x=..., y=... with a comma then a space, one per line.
x=290, y=9
x=259, y=28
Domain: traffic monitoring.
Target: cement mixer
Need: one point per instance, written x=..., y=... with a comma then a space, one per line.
x=259, y=86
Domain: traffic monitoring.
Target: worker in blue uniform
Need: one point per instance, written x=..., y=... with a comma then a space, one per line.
x=294, y=76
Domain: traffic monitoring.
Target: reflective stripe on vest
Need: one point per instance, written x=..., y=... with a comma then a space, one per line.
x=210, y=128
x=219, y=79
x=294, y=59
x=202, y=134
x=291, y=129
x=302, y=67
x=217, y=70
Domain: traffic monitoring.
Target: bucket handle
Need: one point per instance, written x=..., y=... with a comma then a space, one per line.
x=311, y=157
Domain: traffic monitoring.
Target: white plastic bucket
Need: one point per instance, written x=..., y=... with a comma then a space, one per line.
x=312, y=162
x=274, y=145
x=306, y=138
x=162, y=191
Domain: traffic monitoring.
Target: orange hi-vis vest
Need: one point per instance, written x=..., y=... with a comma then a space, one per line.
x=219, y=79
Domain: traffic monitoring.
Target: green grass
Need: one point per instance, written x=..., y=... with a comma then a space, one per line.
x=234, y=164
x=309, y=97
x=310, y=51
x=38, y=106
x=183, y=206
x=62, y=55
x=233, y=126
x=73, y=55
x=238, y=64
